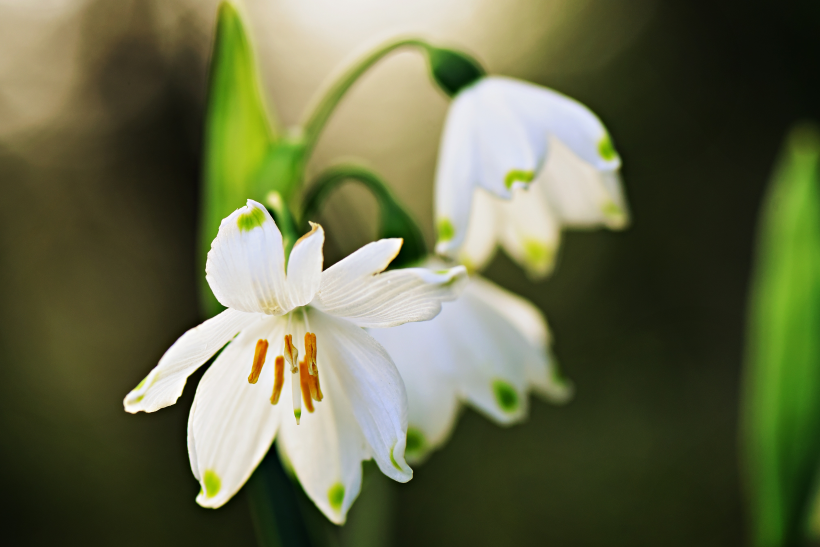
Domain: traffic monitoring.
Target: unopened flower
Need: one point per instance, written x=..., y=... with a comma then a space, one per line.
x=297, y=365
x=488, y=349
x=517, y=163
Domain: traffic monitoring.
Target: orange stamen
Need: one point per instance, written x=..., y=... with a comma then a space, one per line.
x=304, y=380
x=315, y=390
x=310, y=352
x=258, y=360
x=291, y=353
x=278, y=380
x=313, y=369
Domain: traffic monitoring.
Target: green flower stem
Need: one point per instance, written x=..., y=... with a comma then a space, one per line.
x=395, y=221
x=284, y=220
x=330, y=97
x=275, y=511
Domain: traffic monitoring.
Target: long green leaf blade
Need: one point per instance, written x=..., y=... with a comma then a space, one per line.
x=782, y=391
x=238, y=134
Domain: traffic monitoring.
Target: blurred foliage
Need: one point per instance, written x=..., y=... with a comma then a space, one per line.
x=782, y=398
x=238, y=135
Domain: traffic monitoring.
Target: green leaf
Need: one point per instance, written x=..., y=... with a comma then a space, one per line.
x=781, y=411
x=395, y=221
x=238, y=134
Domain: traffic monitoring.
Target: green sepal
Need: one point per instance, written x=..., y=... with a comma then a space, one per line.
x=781, y=413
x=238, y=135
x=394, y=220
x=453, y=70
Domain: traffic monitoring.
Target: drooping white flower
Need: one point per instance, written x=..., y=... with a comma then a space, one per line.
x=488, y=349
x=344, y=402
x=517, y=163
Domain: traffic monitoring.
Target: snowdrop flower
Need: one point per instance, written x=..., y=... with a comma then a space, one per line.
x=488, y=349
x=341, y=403
x=517, y=163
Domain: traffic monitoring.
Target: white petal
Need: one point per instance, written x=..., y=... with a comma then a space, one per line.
x=192, y=444
x=373, y=388
x=163, y=385
x=490, y=357
x=366, y=261
x=507, y=155
x=305, y=266
x=519, y=311
x=529, y=231
x=580, y=195
x=234, y=422
x=482, y=233
x=456, y=173
x=542, y=373
x=354, y=289
x=546, y=112
x=426, y=361
x=246, y=263
x=326, y=449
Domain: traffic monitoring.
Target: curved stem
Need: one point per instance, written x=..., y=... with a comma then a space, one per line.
x=322, y=108
x=395, y=221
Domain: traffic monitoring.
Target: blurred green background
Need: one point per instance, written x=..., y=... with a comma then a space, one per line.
x=101, y=108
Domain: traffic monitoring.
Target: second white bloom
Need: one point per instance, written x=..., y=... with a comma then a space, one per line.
x=517, y=163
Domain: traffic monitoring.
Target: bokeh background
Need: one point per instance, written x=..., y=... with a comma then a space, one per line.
x=101, y=114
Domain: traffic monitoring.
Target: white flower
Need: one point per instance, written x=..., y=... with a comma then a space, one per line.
x=488, y=349
x=517, y=163
x=248, y=396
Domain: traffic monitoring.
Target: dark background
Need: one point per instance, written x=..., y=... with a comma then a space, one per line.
x=98, y=207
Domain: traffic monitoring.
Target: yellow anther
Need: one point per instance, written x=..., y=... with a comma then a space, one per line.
x=315, y=390
x=310, y=353
x=258, y=360
x=278, y=380
x=313, y=369
x=304, y=380
x=291, y=353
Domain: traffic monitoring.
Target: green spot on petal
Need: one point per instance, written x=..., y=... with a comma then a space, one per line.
x=537, y=253
x=253, y=219
x=517, y=175
x=142, y=383
x=505, y=396
x=297, y=413
x=336, y=495
x=212, y=483
x=393, y=460
x=415, y=441
x=611, y=210
x=606, y=149
x=446, y=230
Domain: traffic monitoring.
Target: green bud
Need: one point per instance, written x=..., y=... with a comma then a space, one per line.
x=453, y=70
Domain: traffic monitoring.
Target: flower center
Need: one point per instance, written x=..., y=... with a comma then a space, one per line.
x=304, y=375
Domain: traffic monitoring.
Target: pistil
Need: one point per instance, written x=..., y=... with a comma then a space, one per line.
x=292, y=357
